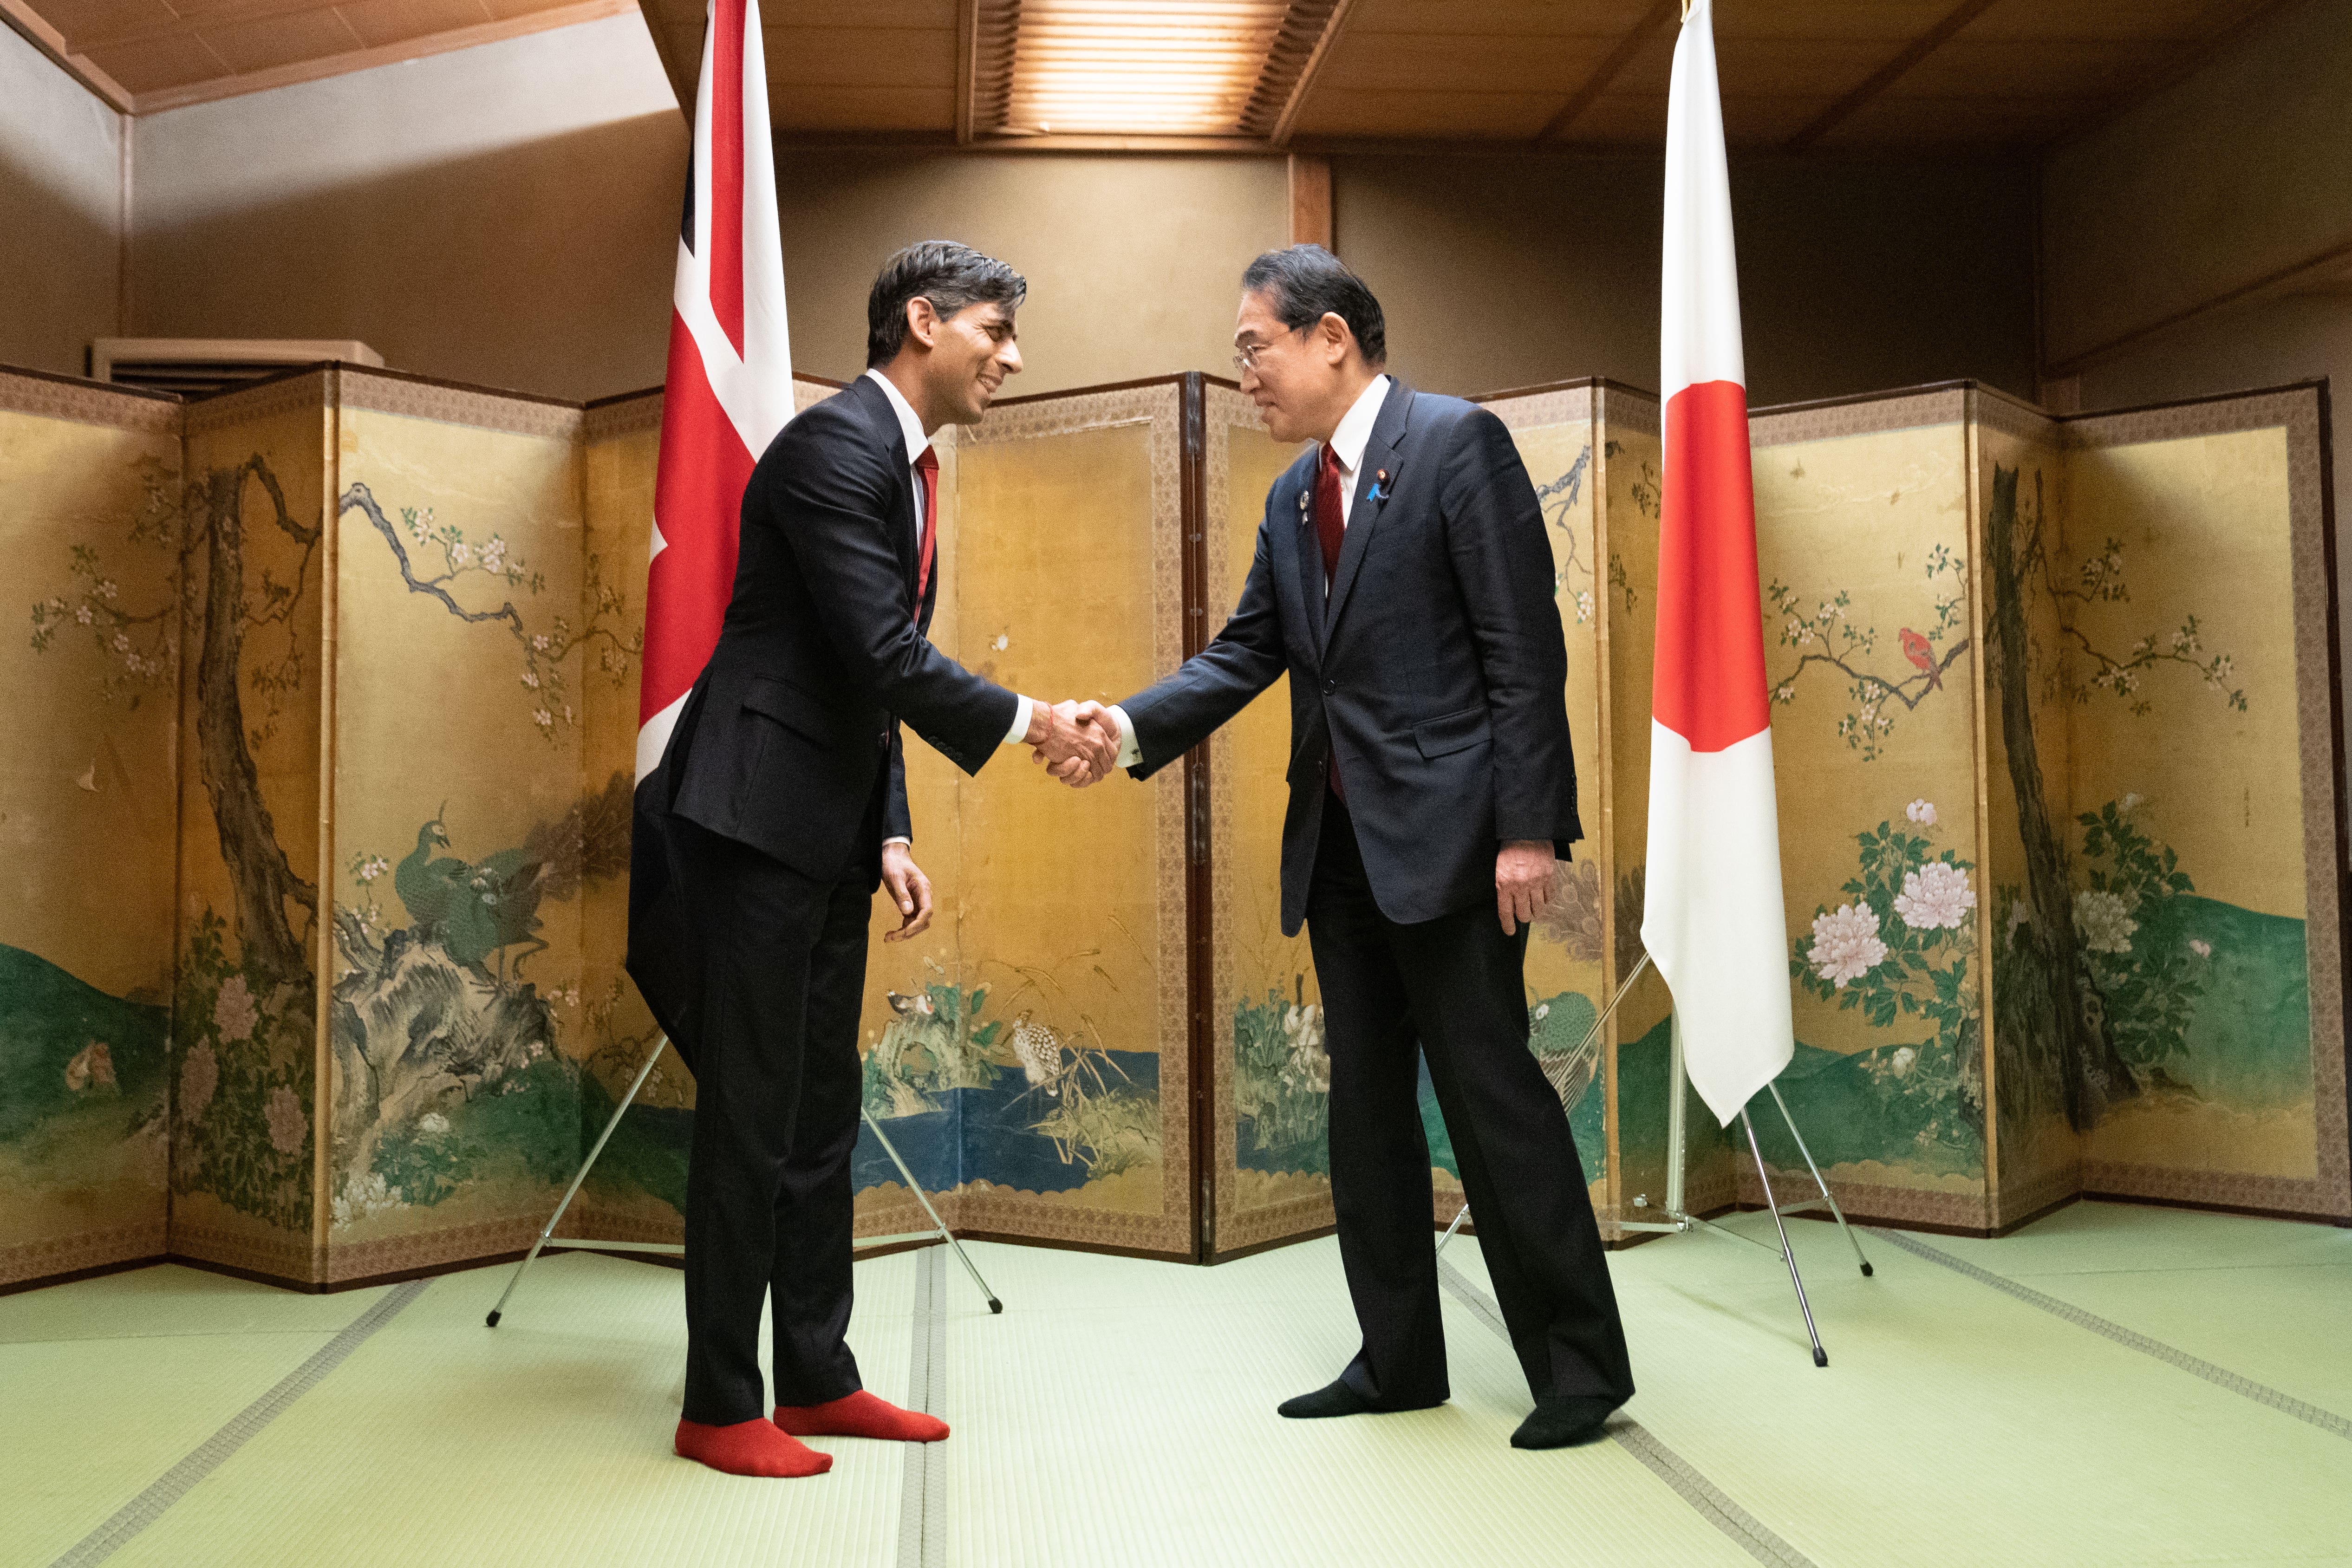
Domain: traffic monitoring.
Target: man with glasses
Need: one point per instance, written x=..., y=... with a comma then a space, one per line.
x=1403, y=579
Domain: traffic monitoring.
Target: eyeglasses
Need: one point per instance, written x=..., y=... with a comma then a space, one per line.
x=1246, y=361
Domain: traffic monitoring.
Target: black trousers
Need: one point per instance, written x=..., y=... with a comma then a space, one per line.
x=781, y=961
x=1452, y=989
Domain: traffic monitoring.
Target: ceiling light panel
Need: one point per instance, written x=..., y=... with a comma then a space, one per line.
x=1146, y=67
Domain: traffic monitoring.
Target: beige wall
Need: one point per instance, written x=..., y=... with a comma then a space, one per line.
x=2230, y=176
x=1132, y=262
x=60, y=211
x=1854, y=276
x=506, y=215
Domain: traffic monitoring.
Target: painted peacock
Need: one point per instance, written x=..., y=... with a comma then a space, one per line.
x=474, y=909
x=480, y=907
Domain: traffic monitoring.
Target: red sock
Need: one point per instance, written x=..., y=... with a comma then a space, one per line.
x=860, y=1414
x=749, y=1448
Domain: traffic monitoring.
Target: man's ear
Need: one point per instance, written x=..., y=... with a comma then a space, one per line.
x=1331, y=335
x=923, y=322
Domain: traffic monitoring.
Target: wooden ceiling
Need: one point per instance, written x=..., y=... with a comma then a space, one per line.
x=1851, y=74
x=143, y=56
x=1268, y=74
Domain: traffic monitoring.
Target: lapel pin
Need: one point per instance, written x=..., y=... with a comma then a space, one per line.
x=1379, y=491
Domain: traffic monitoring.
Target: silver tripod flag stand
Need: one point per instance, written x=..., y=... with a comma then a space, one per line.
x=1562, y=1070
x=672, y=1249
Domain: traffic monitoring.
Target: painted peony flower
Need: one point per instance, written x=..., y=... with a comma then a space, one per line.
x=1845, y=944
x=1922, y=812
x=2201, y=947
x=199, y=1076
x=1310, y=1065
x=288, y=1124
x=2105, y=920
x=235, y=1012
x=1936, y=895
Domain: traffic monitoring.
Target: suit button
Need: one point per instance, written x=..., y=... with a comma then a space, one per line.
x=1330, y=686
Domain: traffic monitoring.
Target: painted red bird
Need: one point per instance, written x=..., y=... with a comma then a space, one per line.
x=1922, y=653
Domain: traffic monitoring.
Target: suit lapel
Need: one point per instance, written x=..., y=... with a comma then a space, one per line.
x=1364, y=514
x=1309, y=552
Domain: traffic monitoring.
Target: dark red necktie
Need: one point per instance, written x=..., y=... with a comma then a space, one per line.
x=1330, y=525
x=928, y=468
x=1332, y=528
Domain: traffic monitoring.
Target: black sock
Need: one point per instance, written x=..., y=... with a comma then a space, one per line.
x=1335, y=1399
x=1564, y=1421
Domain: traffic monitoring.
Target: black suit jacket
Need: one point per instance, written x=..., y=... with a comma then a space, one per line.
x=1434, y=673
x=794, y=726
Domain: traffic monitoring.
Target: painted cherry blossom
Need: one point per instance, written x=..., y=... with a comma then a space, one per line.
x=235, y=1012
x=1845, y=944
x=1936, y=895
x=288, y=1124
x=2105, y=920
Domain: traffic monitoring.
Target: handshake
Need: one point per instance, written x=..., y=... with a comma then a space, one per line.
x=1077, y=742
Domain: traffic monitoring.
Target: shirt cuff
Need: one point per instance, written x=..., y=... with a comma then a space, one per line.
x=1020, y=730
x=1130, y=752
x=899, y=839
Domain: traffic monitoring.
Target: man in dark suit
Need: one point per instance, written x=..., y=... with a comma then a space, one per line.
x=778, y=808
x=1403, y=579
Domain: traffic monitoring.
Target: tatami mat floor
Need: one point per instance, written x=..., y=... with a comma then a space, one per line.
x=2113, y=1385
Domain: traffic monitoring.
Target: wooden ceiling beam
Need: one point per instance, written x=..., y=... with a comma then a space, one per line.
x=967, y=26
x=1885, y=76
x=1286, y=122
x=1636, y=39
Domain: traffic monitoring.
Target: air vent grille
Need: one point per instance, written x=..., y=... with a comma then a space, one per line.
x=197, y=367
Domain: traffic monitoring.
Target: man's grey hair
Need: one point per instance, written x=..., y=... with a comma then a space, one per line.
x=1303, y=283
x=951, y=276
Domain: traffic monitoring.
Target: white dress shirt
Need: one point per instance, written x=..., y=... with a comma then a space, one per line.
x=1348, y=444
x=918, y=442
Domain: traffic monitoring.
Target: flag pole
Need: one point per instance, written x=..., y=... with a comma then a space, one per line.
x=938, y=1232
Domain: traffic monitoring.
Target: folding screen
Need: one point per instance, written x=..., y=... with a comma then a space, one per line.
x=2054, y=718
x=89, y=543
x=2168, y=831
x=2057, y=693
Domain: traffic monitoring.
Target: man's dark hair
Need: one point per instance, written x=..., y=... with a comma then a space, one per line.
x=1305, y=282
x=948, y=274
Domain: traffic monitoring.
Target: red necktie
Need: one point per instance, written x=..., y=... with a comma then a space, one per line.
x=1332, y=528
x=1331, y=524
x=927, y=466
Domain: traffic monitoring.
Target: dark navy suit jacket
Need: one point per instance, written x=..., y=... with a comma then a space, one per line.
x=792, y=730
x=1434, y=673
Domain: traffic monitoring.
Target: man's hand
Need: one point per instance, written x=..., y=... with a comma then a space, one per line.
x=1077, y=742
x=911, y=890
x=1522, y=882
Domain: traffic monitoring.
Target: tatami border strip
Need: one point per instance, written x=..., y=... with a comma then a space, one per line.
x=1744, y=1531
x=176, y=1482
x=2220, y=1376
x=923, y=1501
